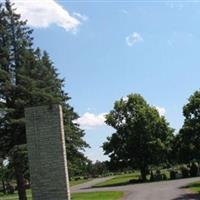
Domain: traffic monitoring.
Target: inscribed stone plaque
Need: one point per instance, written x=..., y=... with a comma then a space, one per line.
x=47, y=153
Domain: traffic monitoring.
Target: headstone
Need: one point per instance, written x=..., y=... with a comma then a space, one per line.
x=47, y=153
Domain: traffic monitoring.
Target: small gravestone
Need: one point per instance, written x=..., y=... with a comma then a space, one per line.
x=47, y=153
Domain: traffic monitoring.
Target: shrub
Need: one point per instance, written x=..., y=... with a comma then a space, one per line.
x=173, y=174
x=152, y=178
x=133, y=181
x=158, y=175
x=77, y=178
x=194, y=169
x=27, y=186
x=10, y=189
x=185, y=171
x=164, y=176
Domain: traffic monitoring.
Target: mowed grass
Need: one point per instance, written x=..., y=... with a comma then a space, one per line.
x=80, y=196
x=72, y=183
x=28, y=192
x=14, y=196
x=195, y=187
x=119, y=180
x=124, y=179
x=98, y=196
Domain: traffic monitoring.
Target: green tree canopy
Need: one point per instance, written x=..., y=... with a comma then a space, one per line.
x=28, y=78
x=142, y=136
x=188, y=139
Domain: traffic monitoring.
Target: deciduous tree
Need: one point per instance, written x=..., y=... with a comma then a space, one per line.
x=142, y=136
x=188, y=139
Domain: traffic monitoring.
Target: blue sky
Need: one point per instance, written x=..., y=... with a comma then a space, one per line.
x=106, y=50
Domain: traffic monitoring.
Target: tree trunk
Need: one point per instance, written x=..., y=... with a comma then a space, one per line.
x=143, y=174
x=4, y=187
x=20, y=179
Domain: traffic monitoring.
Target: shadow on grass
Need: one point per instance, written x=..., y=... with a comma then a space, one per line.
x=191, y=196
x=197, y=184
x=131, y=182
x=138, y=181
x=120, y=184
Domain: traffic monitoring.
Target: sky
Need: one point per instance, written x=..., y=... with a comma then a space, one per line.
x=106, y=50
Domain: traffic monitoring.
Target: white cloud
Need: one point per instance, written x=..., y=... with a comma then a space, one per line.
x=80, y=16
x=42, y=14
x=133, y=39
x=162, y=111
x=90, y=120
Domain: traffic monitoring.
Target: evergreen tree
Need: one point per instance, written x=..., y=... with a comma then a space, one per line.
x=73, y=134
x=28, y=78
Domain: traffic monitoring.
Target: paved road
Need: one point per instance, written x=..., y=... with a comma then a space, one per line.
x=166, y=190
x=88, y=185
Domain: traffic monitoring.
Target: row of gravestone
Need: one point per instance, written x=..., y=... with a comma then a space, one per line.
x=184, y=171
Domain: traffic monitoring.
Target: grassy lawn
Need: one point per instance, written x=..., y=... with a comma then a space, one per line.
x=119, y=180
x=14, y=196
x=80, y=196
x=72, y=183
x=125, y=178
x=195, y=187
x=98, y=196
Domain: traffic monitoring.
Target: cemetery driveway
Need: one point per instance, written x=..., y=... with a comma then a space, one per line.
x=89, y=184
x=164, y=190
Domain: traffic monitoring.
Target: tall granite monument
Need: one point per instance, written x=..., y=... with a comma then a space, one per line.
x=47, y=153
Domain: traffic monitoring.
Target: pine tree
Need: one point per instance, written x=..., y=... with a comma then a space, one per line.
x=74, y=135
x=15, y=51
x=28, y=78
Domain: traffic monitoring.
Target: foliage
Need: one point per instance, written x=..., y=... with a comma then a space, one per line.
x=188, y=140
x=29, y=78
x=173, y=174
x=6, y=175
x=98, y=169
x=185, y=171
x=152, y=178
x=142, y=136
x=194, y=169
x=158, y=175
